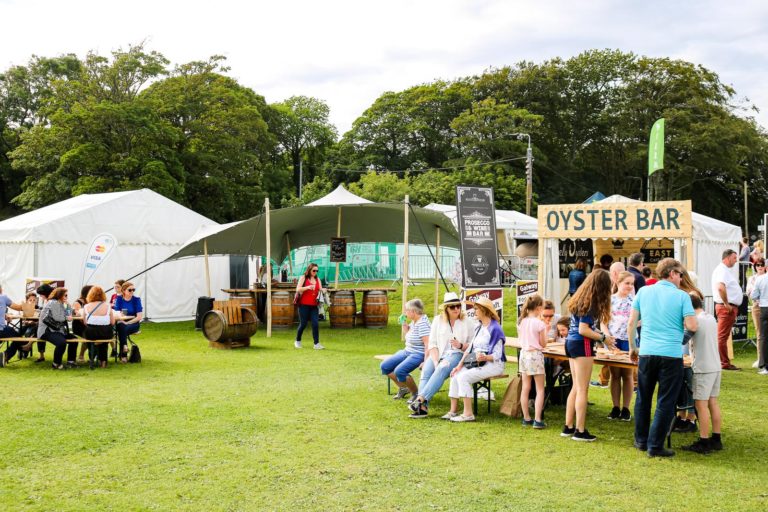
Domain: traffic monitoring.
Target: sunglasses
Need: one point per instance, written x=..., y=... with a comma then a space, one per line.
x=453, y=306
x=131, y=290
x=314, y=271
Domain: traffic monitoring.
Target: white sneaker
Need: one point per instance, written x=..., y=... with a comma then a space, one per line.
x=297, y=344
x=460, y=418
x=764, y=371
x=449, y=415
x=756, y=364
x=318, y=346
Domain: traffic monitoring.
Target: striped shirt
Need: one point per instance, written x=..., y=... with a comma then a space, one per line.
x=419, y=328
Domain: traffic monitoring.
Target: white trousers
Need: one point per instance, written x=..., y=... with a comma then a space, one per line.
x=461, y=383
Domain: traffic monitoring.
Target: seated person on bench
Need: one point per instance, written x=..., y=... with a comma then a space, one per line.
x=488, y=345
x=55, y=331
x=130, y=305
x=99, y=320
x=399, y=366
x=6, y=331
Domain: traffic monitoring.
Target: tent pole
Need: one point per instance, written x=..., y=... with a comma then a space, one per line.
x=404, y=272
x=288, y=243
x=437, y=268
x=338, y=234
x=269, y=281
x=207, y=270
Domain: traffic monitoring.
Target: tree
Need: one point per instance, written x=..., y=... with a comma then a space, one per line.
x=381, y=187
x=303, y=129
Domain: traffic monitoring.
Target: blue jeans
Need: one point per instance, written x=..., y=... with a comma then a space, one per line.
x=668, y=373
x=307, y=313
x=432, y=378
x=402, y=364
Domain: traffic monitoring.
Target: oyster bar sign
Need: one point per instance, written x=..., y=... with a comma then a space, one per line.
x=670, y=219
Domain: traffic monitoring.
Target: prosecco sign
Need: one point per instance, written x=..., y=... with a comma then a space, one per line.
x=476, y=217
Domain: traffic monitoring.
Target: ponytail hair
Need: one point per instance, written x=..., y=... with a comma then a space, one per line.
x=531, y=303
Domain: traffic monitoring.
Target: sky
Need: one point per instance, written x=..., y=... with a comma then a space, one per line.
x=348, y=53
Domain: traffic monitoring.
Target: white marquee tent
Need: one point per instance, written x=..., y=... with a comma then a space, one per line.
x=511, y=226
x=52, y=242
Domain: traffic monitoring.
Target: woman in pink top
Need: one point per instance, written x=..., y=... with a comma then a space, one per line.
x=532, y=333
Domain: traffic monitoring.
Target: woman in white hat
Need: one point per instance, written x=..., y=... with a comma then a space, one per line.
x=488, y=346
x=448, y=339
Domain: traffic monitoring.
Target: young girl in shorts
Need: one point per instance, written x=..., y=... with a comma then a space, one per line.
x=589, y=306
x=622, y=384
x=533, y=338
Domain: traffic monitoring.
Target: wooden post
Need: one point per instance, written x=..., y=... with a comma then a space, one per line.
x=269, y=281
x=690, y=264
x=290, y=261
x=338, y=234
x=437, y=268
x=207, y=270
x=405, y=257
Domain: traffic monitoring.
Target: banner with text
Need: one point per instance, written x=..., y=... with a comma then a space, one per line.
x=494, y=295
x=525, y=289
x=659, y=219
x=476, y=217
x=100, y=249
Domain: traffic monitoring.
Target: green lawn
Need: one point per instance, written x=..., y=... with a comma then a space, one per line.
x=274, y=428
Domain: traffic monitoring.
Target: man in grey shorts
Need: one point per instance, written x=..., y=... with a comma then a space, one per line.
x=706, y=380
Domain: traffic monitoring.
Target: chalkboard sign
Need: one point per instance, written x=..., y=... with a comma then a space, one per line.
x=338, y=250
x=477, y=230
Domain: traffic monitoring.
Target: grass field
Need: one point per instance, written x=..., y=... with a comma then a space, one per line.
x=274, y=428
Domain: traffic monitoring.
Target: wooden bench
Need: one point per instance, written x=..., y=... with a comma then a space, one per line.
x=486, y=384
x=28, y=341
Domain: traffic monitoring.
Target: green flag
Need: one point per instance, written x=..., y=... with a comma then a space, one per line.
x=656, y=147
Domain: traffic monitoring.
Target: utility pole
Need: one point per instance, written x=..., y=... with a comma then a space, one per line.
x=746, y=218
x=301, y=177
x=528, y=171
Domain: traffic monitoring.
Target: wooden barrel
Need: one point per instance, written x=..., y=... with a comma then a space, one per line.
x=246, y=302
x=217, y=329
x=375, y=309
x=282, y=310
x=342, y=309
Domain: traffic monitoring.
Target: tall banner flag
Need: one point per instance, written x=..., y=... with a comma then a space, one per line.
x=656, y=147
x=100, y=249
x=476, y=218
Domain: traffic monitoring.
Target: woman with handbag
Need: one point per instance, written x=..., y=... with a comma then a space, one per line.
x=450, y=335
x=482, y=359
x=130, y=305
x=53, y=329
x=99, y=321
x=307, y=290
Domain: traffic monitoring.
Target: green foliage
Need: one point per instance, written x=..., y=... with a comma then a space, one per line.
x=380, y=187
x=320, y=186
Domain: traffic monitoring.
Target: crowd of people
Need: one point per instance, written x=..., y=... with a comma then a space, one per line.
x=655, y=318
x=50, y=316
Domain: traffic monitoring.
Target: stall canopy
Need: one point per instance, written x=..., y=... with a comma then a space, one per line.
x=53, y=242
x=308, y=225
x=338, y=197
x=511, y=226
x=697, y=240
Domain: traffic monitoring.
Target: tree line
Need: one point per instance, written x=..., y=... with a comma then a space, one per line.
x=197, y=136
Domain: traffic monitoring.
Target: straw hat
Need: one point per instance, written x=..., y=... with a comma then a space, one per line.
x=450, y=298
x=487, y=304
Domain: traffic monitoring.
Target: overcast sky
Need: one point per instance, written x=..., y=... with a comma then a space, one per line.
x=349, y=52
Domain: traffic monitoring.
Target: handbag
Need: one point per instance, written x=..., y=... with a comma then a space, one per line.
x=135, y=355
x=52, y=323
x=470, y=360
x=296, y=298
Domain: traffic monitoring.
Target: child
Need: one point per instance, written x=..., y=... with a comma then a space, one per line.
x=562, y=329
x=706, y=380
x=533, y=337
x=622, y=384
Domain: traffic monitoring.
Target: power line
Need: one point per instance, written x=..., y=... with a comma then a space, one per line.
x=452, y=168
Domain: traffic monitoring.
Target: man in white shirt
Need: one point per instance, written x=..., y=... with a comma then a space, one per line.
x=728, y=296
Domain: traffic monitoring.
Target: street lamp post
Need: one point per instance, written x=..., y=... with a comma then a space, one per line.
x=528, y=172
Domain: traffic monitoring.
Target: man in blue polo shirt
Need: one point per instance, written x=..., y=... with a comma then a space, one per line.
x=664, y=310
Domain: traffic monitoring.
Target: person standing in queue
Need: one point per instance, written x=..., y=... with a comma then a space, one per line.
x=590, y=306
x=665, y=311
x=309, y=288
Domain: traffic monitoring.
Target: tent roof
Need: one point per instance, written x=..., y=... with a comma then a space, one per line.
x=315, y=225
x=133, y=217
x=338, y=197
x=704, y=228
x=505, y=219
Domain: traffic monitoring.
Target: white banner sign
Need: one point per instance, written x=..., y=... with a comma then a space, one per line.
x=100, y=249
